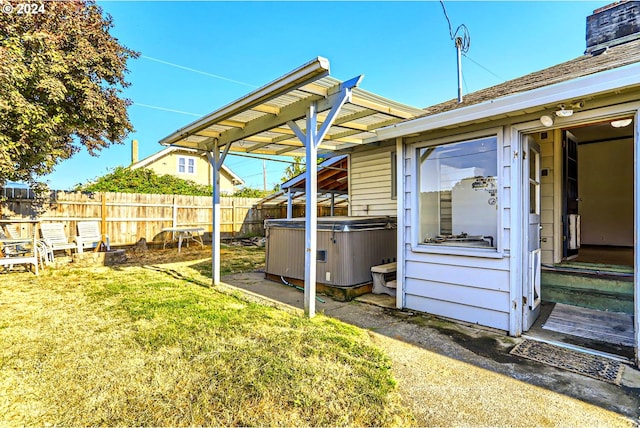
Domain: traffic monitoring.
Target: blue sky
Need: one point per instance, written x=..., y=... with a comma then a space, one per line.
x=403, y=49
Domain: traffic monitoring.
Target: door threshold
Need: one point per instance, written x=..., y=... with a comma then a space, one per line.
x=590, y=269
x=580, y=349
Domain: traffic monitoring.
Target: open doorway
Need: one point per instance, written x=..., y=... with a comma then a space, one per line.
x=598, y=194
x=587, y=280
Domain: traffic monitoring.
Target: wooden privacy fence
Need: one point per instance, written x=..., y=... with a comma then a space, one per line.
x=131, y=216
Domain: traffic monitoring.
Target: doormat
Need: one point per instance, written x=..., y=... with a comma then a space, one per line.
x=578, y=362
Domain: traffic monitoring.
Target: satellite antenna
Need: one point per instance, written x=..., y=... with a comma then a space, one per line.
x=462, y=41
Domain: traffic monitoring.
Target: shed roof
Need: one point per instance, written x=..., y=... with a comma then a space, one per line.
x=613, y=57
x=257, y=123
x=332, y=179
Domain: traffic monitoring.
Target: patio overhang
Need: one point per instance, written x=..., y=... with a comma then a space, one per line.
x=259, y=122
x=303, y=113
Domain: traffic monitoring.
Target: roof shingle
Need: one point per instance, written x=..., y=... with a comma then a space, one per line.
x=614, y=57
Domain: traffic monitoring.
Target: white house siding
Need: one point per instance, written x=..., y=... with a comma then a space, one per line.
x=474, y=289
x=370, y=182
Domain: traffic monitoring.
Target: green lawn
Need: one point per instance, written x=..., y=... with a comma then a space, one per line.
x=153, y=344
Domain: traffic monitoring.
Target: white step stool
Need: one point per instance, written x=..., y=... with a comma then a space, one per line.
x=384, y=279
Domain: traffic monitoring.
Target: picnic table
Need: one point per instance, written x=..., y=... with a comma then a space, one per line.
x=185, y=234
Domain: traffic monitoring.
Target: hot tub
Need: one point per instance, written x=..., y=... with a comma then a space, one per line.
x=347, y=248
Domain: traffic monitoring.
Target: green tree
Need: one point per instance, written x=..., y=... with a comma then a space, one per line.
x=251, y=192
x=294, y=169
x=61, y=79
x=143, y=180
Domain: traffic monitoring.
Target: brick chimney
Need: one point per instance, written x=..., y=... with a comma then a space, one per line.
x=134, y=152
x=613, y=25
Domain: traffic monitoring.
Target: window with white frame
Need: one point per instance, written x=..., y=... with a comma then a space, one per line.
x=458, y=194
x=186, y=165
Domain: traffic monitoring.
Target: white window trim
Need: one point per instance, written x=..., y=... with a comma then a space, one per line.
x=419, y=247
x=186, y=165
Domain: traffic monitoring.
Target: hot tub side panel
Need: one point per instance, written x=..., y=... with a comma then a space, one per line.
x=345, y=257
x=351, y=256
x=285, y=252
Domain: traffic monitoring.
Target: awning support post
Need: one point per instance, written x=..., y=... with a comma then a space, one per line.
x=333, y=204
x=311, y=213
x=311, y=140
x=216, y=160
x=289, y=204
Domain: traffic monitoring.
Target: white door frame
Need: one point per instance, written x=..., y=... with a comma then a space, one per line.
x=531, y=257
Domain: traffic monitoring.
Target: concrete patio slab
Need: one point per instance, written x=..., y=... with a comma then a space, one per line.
x=479, y=366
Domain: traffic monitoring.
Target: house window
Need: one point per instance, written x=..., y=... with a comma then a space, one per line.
x=186, y=165
x=458, y=194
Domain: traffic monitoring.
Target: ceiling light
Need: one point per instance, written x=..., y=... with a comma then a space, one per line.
x=621, y=123
x=546, y=120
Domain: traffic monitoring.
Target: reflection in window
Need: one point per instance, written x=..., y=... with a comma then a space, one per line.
x=458, y=197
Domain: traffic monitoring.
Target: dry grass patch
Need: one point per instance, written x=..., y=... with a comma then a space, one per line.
x=135, y=346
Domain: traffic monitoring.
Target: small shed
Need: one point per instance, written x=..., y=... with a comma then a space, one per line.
x=333, y=191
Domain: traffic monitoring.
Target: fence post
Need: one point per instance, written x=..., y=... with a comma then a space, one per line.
x=174, y=217
x=233, y=217
x=103, y=217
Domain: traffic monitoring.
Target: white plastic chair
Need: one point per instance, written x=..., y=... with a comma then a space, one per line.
x=54, y=236
x=89, y=236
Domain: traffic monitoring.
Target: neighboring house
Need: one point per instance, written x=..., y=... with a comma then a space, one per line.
x=529, y=177
x=187, y=164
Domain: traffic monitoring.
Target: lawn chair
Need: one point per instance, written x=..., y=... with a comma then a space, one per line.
x=45, y=254
x=13, y=251
x=89, y=236
x=54, y=236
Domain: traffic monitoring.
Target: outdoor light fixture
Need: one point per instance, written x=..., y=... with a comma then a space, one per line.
x=564, y=112
x=621, y=123
x=546, y=120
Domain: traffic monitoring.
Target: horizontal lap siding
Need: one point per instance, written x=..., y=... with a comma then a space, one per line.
x=370, y=183
x=477, y=291
x=470, y=289
x=456, y=311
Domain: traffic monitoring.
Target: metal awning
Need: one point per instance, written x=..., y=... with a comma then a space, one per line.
x=302, y=113
x=257, y=123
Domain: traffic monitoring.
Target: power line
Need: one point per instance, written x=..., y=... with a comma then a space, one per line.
x=166, y=109
x=291, y=162
x=484, y=68
x=215, y=76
